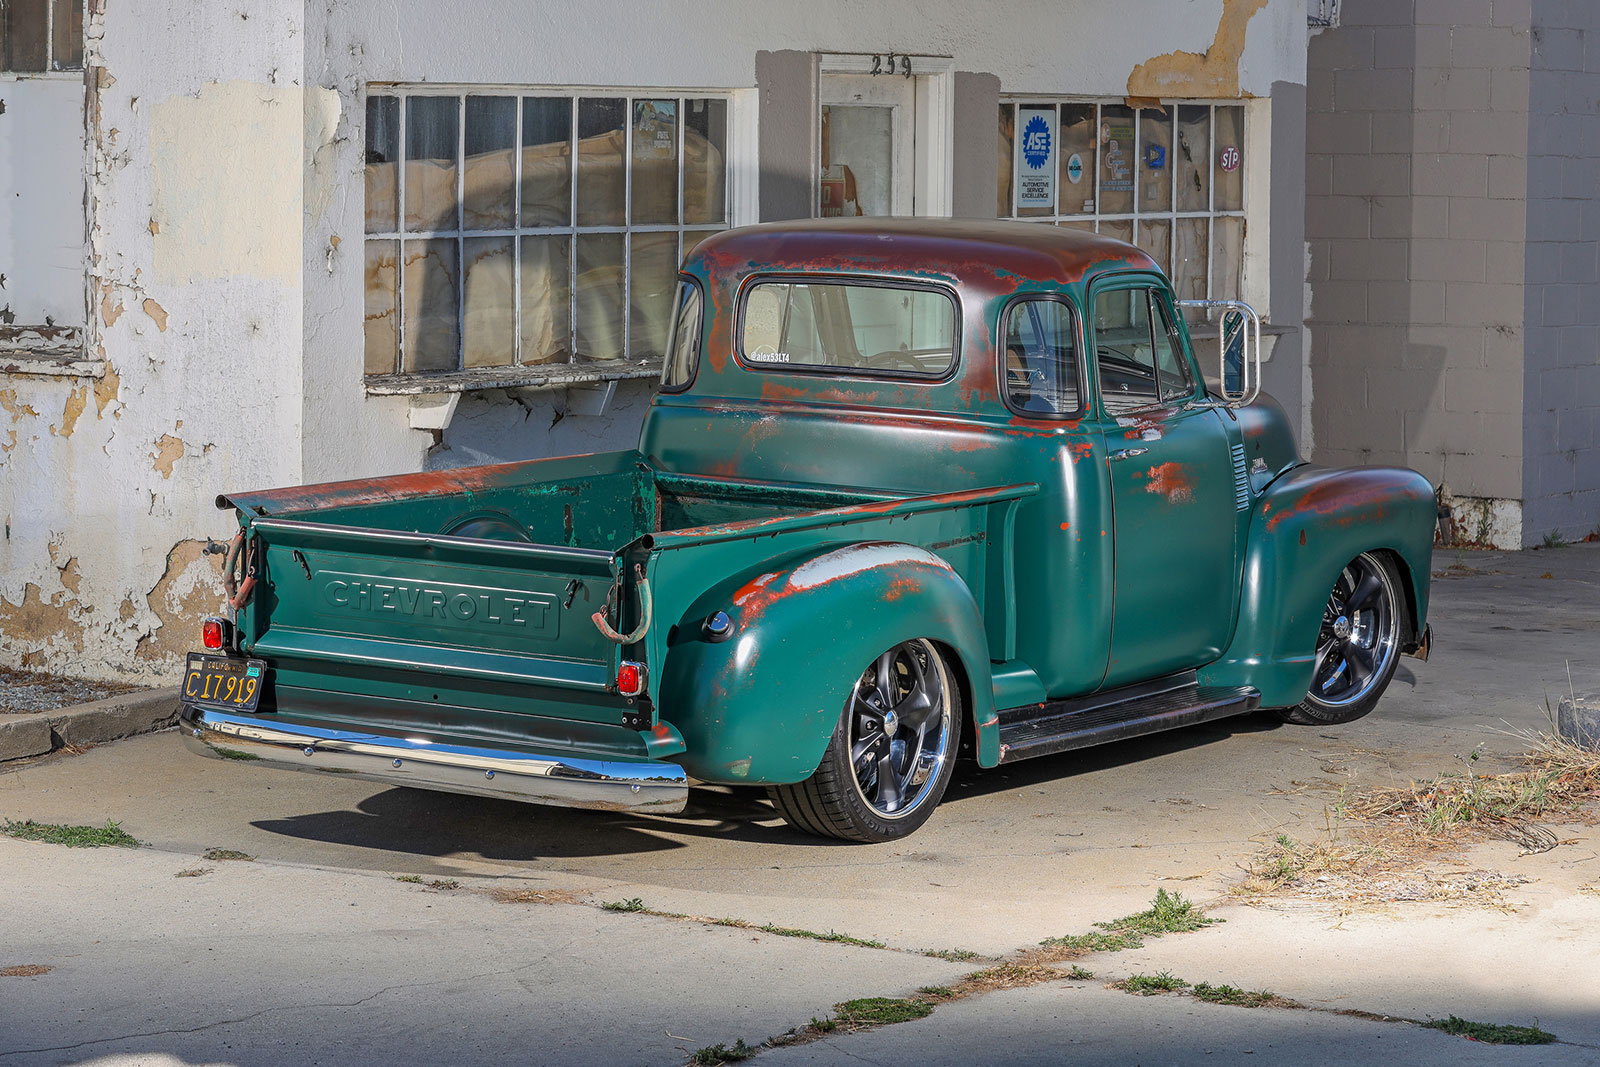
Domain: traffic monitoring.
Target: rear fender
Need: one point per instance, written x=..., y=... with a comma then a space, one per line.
x=760, y=705
x=1307, y=525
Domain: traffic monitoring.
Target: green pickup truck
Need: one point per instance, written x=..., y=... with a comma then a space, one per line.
x=910, y=490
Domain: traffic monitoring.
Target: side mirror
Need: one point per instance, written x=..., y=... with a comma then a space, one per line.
x=1238, y=348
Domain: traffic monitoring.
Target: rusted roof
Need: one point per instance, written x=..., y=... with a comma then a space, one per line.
x=957, y=248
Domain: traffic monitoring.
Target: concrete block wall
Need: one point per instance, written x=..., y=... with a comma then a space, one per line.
x=1417, y=246
x=1561, y=299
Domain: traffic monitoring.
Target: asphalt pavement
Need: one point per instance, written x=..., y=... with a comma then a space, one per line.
x=314, y=952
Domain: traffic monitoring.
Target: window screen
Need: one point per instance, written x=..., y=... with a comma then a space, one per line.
x=848, y=327
x=1041, y=358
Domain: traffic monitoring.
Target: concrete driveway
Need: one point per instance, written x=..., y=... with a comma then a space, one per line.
x=314, y=952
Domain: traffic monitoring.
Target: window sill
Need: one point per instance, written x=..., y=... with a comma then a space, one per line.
x=532, y=376
x=51, y=351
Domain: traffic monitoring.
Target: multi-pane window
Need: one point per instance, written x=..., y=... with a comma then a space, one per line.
x=41, y=35
x=511, y=228
x=1167, y=178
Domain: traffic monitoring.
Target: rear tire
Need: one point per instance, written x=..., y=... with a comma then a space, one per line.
x=891, y=755
x=1358, y=646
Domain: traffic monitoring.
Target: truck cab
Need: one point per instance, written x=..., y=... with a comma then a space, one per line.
x=910, y=488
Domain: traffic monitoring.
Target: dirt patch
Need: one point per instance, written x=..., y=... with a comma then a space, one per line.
x=27, y=970
x=26, y=691
x=1385, y=846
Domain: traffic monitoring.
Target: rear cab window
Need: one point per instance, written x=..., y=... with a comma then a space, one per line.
x=850, y=327
x=1041, y=357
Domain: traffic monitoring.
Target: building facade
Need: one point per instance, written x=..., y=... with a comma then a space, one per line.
x=274, y=242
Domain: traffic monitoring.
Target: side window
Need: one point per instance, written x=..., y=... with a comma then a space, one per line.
x=1124, y=349
x=1041, y=358
x=683, y=345
x=1172, y=370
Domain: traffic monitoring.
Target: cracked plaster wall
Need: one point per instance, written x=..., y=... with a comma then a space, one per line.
x=225, y=259
x=193, y=148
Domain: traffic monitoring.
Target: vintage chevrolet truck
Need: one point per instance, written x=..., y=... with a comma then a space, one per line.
x=910, y=490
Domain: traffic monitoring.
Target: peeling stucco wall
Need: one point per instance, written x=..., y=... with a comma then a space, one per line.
x=222, y=152
x=192, y=146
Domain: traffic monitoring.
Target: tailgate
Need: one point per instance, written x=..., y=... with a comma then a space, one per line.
x=431, y=618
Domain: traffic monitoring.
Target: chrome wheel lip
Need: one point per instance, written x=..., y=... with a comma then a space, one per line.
x=1369, y=625
x=915, y=757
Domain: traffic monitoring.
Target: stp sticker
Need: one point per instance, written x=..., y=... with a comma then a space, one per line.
x=1228, y=158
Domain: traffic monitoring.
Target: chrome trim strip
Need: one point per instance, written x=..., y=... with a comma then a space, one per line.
x=419, y=762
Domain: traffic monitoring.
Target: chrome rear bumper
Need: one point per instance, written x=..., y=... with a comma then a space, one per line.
x=423, y=763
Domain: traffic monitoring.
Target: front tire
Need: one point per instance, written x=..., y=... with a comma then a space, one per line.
x=891, y=754
x=1358, y=645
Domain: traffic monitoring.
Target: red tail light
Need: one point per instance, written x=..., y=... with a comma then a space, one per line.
x=213, y=634
x=630, y=678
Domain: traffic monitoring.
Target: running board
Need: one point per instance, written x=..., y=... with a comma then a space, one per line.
x=1165, y=704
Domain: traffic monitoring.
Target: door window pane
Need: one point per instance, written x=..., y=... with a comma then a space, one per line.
x=857, y=160
x=1172, y=370
x=489, y=171
x=67, y=51
x=1041, y=358
x=602, y=181
x=1124, y=349
x=546, y=160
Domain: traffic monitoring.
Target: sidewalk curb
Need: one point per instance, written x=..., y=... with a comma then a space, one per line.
x=85, y=724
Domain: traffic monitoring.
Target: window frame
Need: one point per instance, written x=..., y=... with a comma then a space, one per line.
x=571, y=369
x=1079, y=334
x=845, y=278
x=1157, y=290
x=1135, y=217
x=52, y=64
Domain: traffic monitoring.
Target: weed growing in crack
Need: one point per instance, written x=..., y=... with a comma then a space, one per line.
x=716, y=1055
x=1229, y=994
x=1148, y=985
x=111, y=835
x=1169, y=913
x=630, y=905
x=1492, y=1033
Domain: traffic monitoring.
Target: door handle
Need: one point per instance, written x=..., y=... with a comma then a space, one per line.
x=1126, y=453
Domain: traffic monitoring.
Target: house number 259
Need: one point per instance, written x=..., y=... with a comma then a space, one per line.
x=890, y=63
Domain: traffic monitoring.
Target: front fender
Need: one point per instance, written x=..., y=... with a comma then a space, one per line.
x=761, y=705
x=1305, y=528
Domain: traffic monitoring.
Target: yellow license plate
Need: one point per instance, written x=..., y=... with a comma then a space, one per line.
x=224, y=682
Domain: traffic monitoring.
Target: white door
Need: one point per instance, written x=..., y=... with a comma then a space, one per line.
x=868, y=145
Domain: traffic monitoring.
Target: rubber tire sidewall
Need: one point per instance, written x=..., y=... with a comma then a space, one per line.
x=1310, y=713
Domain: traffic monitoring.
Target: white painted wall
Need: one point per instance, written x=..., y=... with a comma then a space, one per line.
x=226, y=257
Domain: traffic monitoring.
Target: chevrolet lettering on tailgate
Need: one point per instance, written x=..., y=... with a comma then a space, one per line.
x=451, y=606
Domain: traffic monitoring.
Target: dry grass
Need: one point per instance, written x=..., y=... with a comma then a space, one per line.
x=1389, y=845
x=26, y=970
x=536, y=896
